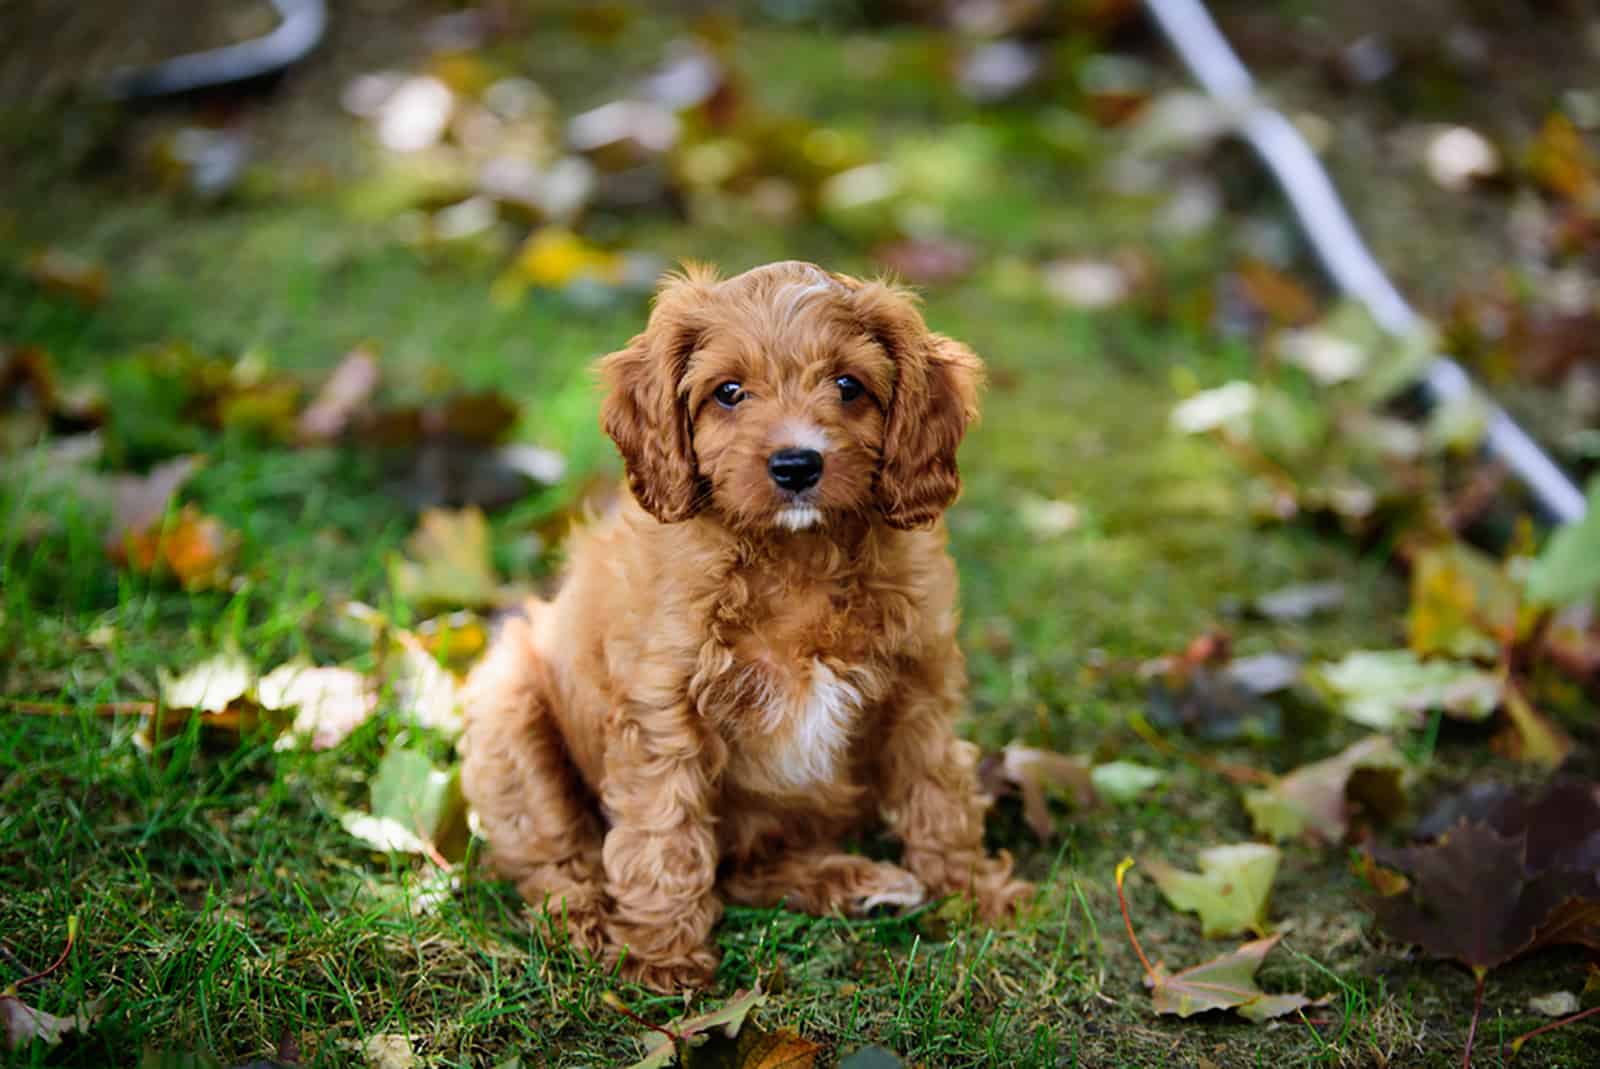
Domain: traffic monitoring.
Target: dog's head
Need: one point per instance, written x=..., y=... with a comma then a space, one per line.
x=789, y=397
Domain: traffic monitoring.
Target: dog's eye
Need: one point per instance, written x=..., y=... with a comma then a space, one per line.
x=728, y=394
x=849, y=388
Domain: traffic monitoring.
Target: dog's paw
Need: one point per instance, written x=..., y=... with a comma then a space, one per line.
x=886, y=885
x=578, y=910
x=1004, y=902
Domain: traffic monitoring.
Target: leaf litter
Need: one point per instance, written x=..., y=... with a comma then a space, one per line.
x=724, y=1037
x=1226, y=982
x=1368, y=780
x=1229, y=893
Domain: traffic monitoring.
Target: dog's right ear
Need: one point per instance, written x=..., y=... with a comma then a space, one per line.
x=644, y=411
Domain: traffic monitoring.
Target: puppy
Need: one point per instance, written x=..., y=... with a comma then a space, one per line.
x=756, y=655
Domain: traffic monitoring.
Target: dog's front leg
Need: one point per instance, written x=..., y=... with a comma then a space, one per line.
x=660, y=854
x=930, y=794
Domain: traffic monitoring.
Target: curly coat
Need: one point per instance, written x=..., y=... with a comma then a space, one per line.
x=736, y=676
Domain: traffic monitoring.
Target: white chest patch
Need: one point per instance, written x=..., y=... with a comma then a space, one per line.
x=816, y=726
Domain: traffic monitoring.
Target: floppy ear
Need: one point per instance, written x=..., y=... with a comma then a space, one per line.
x=935, y=400
x=643, y=411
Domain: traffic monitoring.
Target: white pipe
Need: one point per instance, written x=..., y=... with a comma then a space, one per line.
x=1190, y=30
x=302, y=25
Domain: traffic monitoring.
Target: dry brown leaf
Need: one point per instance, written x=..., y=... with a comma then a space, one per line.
x=1281, y=298
x=61, y=272
x=140, y=502
x=1035, y=775
x=194, y=548
x=346, y=392
x=23, y=1024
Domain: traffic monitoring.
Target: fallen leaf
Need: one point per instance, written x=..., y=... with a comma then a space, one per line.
x=449, y=562
x=141, y=502
x=1322, y=353
x=328, y=703
x=1391, y=689
x=1204, y=692
x=1223, y=983
x=1470, y=897
x=1459, y=157
x=193, y=547
x=1561, y=823
x=727, y=1018
x=755, y=1048
x=1300, y=602
x=34, y=401
x=623, y=134
x=1567, y=570
x=346, y=392
x=1115, y=87
x=210, y=686
x=995, y=70
x=1090, y=284
x=1226, y=407
x=415, y=807
x=414, y=114
x=204, y=161
x=389, y=1050
x=1281, y=298
x=1265, y=673
x=1367, y=777
x=423, y=691
x=64, y=273
x=455, y=640
x=1037, y=774
x=383, y=834
x=1529, y=735
x=1124, y=781
x=544, y=466
x=927, y=261
x=1044, y=517
x=24, y=1024
x=1462, y=603
x=1230, y=891
x=1559, y=160
x=554, y=257
x=220, y=691
x=1554, y=1004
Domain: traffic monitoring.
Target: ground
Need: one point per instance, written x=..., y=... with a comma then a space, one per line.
x=223, y=907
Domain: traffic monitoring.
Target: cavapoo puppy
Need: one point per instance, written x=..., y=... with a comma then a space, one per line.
x=756, y=655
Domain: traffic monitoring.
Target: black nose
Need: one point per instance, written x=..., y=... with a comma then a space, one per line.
x=795, y=469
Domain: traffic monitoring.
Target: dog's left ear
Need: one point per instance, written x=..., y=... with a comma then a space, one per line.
x=935, y=399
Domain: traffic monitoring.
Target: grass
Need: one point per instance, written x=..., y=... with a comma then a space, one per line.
x=222, y=906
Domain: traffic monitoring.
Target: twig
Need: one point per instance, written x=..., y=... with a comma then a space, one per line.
x=1122, y=900
x=1233, y=773
x=1477, y=1010
x=107, y=709
x=429, y=850
x=72, y=936
x=1516, y=1044
x=610, y=998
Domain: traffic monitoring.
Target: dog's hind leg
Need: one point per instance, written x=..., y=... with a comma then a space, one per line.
x=543, y=829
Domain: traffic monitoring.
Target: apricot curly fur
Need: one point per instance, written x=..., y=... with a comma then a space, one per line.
x=737, y=676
